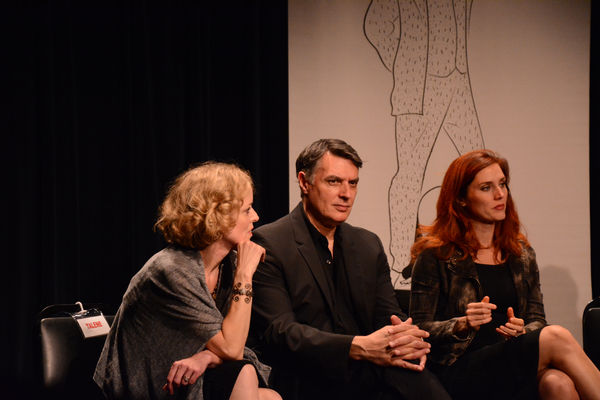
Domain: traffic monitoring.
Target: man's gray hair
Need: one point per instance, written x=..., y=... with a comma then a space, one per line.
x=309, y=159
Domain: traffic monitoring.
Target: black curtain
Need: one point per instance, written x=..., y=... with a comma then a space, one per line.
x=102, y=104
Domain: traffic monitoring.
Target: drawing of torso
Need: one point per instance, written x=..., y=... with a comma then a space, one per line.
x=424, y=44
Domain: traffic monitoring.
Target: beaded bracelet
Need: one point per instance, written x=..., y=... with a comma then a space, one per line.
x=238, y=291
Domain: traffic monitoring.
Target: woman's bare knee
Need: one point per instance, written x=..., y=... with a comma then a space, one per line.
x=556, y=343
x=555, y=384
x=268, y=394
x=557, y=335
x=246, y=384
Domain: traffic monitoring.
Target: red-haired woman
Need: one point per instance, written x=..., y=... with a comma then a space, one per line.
x=476, y=290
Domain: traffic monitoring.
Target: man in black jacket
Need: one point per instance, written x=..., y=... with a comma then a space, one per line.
x=325, y=315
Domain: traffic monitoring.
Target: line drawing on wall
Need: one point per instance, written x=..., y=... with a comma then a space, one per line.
x=423, y=43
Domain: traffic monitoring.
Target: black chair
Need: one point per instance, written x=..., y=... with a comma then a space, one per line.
x=591, y=330
x=68, y=359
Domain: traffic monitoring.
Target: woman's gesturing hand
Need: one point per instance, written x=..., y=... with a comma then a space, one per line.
x=477, y=314
x=513, y=328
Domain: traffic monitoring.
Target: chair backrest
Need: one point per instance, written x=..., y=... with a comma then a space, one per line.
x=591, y=330
x=69, y=360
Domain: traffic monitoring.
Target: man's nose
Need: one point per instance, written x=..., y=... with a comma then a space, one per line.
x=344, y=190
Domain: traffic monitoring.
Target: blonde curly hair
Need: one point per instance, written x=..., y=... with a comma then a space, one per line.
x=203, y=203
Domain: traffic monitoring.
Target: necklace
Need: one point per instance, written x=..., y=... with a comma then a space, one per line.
x=214, y=292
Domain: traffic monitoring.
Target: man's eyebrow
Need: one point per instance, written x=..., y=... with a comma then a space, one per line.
x=337, y=178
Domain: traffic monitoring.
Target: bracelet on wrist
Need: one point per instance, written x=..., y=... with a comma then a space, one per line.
x=239, y=291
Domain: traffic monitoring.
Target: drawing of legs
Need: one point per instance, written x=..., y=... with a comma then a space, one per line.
x=448, y=108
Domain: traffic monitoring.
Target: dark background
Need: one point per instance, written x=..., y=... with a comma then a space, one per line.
x=102, y=104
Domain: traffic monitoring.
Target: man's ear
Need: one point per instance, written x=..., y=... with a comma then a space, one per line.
x=303, y=182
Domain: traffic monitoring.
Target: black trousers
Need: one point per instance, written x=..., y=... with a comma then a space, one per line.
x=368, y=381
x=412, y=385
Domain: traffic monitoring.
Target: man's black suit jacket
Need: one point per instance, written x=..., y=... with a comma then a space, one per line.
x=292, y=326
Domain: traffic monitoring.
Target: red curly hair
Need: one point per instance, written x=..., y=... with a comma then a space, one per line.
x=452, y=229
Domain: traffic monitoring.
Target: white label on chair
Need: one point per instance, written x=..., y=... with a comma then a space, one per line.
x=93, y=326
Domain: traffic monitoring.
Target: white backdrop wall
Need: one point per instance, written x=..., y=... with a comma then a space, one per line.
x=528, y=62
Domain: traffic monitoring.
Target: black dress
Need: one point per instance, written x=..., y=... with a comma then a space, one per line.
x=219, y=381
x=493, y=367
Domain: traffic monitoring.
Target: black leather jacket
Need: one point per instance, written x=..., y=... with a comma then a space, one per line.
x=441, y=291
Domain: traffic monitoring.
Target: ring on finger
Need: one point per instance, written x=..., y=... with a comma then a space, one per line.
x=186, y=379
